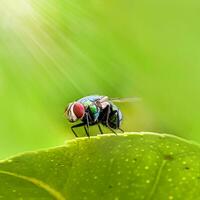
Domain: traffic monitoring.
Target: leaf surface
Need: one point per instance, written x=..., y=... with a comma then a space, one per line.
x=128, y=166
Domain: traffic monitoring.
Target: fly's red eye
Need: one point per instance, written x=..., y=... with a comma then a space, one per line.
x=79, y=110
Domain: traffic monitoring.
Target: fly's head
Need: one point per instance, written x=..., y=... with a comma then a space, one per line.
x=74, y=111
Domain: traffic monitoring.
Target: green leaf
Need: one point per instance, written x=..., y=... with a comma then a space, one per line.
x=128, y=166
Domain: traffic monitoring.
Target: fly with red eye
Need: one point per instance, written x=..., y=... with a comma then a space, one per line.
x=96, y=110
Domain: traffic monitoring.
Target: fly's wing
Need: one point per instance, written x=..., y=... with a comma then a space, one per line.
x=103, y=99
x=126, y=99
x=91, y=98
x=102, y=103
x=106, y=99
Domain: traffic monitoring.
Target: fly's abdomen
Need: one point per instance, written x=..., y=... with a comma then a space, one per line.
x=115, y=117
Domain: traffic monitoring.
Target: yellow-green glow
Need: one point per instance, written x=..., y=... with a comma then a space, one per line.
x=55, y=51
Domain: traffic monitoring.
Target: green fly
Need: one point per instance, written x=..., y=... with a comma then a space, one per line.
x=96, y=110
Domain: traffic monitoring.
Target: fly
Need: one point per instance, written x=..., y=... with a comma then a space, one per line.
x=96, y=110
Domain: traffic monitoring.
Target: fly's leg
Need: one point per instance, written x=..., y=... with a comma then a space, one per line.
x=112, y=130
x=107, y=117
x=100, y=128
x=76, y=126
x=87, y=130
x=74, y=132
x=121, y=130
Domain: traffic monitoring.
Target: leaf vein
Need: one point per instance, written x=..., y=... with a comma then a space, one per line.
x=155, y=184
x=57, y=195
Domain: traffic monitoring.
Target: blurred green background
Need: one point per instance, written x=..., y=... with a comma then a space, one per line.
x=53, y=52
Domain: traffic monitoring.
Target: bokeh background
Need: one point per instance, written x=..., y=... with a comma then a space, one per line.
x=55, y=51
